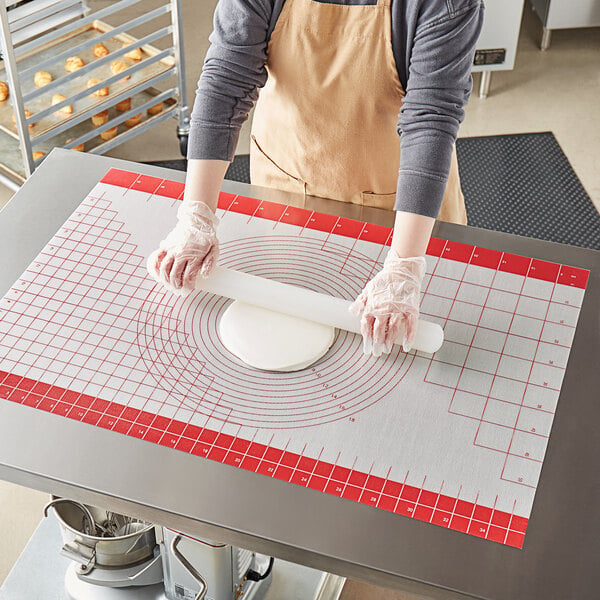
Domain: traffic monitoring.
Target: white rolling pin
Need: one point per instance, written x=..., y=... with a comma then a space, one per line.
x=302, y=303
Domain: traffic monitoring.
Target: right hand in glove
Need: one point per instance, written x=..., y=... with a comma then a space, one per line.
x=189, y=250
x=389, y=304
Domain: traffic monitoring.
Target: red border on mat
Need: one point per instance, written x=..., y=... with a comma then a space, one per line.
x=307, y=219
x=378, y=492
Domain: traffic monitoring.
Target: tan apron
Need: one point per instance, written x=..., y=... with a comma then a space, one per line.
x=325, y=122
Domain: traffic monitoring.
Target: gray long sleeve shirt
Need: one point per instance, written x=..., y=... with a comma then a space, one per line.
x=433, y=42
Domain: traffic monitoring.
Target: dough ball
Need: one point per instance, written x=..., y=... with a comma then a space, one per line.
x=124, y=105
x=154, y=110
x=73, y=63
x=100, y=118
x=135, y=120
x=118, y=66
x=27, y=115
x=3, y=91
x=65, y=110
x=37, y=155
x=135, y=54
x=103, y=91
x=100, y=50
x=42, y=78
x=272, y=341
x=78, y=148
x=109, y=134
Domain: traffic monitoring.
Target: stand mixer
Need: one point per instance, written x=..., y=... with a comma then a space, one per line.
x=116, y=557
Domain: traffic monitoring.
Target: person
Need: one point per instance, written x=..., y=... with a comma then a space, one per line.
x=333, y=75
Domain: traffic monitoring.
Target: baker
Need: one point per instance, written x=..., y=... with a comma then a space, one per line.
x=333, y=78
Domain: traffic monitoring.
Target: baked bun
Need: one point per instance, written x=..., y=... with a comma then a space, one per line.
x=27, y=115
x=103, y=91
x=135, y=54
x=4, y=93
x=109, y=134
x=118, y=66
x=100, y=118
x=135, y=120
x=100, y=50
x=42, y=78
x=154, y=110
x=66, y=110
x=78, y=148
x=73, y=63
x=124, y=105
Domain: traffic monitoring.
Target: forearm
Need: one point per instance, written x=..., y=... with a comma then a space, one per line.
x=423, y=174
x=411, y=234
x=438, y=87
x=204, y=180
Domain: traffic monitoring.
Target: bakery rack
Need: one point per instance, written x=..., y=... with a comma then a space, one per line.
x=40, y=35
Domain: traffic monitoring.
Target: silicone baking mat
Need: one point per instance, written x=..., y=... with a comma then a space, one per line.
x=456, y=439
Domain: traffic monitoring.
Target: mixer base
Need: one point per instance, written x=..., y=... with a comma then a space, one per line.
x=76, y=589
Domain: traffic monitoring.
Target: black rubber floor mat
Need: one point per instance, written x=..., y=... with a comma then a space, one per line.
x=519, y=183
x=524, y=184
x=239, y=169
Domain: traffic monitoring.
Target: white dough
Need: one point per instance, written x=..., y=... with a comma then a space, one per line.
x=273, y=341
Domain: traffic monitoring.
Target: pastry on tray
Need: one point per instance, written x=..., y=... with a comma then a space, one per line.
x=154, y=110
x=133, y=121
x=118, y=66
x=109, y=134
x=3, y=91
x=37, y=155
x=124, y=105
x=103, y=91
x=100, y=118
x=100, y=50
x=73, y=63
x=42, y=78
x=27, y=115
x=65, y=110
x=78, y=148
x=135, y=54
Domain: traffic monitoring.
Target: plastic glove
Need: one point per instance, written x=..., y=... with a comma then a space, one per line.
x=389, y=304
x=191, y=248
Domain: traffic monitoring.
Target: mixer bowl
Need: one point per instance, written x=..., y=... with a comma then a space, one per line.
x=131, y=544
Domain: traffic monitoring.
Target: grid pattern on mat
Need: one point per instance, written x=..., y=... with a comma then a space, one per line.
x=509, y=323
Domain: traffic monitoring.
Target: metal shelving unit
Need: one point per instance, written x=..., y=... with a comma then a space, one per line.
x=39, y=35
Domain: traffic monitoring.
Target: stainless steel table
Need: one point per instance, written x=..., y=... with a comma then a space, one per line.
x=561, y=556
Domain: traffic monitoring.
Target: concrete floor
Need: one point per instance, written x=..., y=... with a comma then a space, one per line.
x=554, y=91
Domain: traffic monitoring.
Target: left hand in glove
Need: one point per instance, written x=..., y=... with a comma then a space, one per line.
x=389, y=304
x=189, y=250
